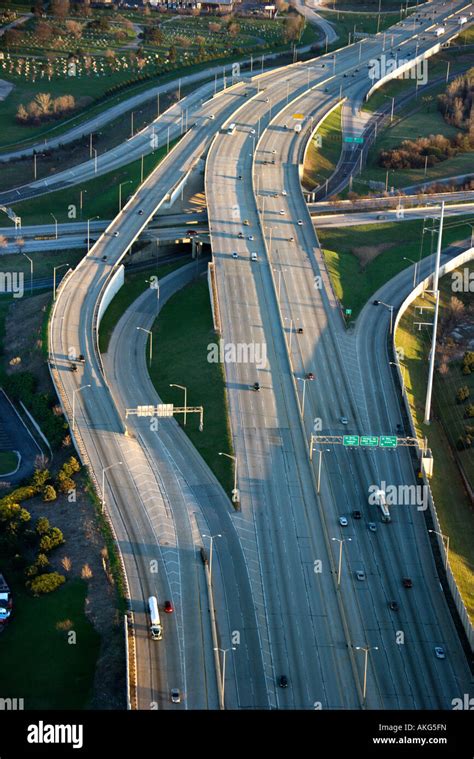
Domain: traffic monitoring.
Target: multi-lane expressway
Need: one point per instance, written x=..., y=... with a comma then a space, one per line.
x=306, y=628
x=266, y=300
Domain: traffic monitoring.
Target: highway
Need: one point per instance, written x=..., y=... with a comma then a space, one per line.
x=307, y=629
x=135, y=497
x=402, y=676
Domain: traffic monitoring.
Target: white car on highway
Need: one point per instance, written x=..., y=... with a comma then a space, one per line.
x=343, y=521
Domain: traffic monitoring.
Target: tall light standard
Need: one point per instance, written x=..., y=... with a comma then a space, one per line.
x=429, y=388
x=211, y=546
x=150, y=333
x=104, y=470
x=93, y=218
x=304, y=380
x=55, y=268
x=393, y=106
x=446, y=538
x=77, y=390
x=224, y=651
x=235, y=492
x=127, y=181
x=55, y=225
x=340, y=541
x=31, y=272
x=366, y=649
x=95, y=160
x=182, y=387
x=405, y=258
x=320, y=461
x=390, y=308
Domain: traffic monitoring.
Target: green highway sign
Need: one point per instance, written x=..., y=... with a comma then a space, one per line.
x=369, y=440
x=350, y=440
x=348, y=311
x=388, y=441
x=358, y=140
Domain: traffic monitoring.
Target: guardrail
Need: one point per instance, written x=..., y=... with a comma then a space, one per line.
x=463, y=257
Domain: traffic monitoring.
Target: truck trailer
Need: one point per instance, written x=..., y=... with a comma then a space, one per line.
x=156, y=631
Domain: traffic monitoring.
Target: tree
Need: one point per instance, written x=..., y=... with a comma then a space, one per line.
x=74, y=28
x=469, y=412
x=233, y=28
x=49, y=494
x=66, y=484
x=462, y=394
x=44, y=102
x=42, y=561
x=42, y=526
x=172, y=54
x=60, y=8
x=22, y=114
x=46, y=583
x=40, y=478
x=43, y=31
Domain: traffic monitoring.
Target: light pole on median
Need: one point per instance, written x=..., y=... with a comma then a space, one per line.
x=93, y=218
x=366, y=649
x=55, y=268
x=55, y=225
x=150, y=333
x=77, y=390
x=224, y=651
x=320, y=461
x=235, y=492
x=211, y=545
x=405, y=258
x=340, y=541
x=304, y=380
x=446, y=538
x=31, y=272
x=127, y=181
x=182, y=387
x=393, y=106
x=104, y=470
x=95, y=160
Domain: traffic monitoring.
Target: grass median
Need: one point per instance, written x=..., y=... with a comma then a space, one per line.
x=452, y=502
x=320, y=162
x=180, y=339
x=361, y=259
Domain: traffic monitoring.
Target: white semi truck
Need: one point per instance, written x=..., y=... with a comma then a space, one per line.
x=439, y=31
x=156, y=630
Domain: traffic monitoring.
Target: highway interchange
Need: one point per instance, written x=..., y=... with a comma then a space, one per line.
x=275, y=567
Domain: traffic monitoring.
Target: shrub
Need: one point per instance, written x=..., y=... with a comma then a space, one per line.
x=42, y=526
x=49, y=494
x=42, y=561
x=52, y=539
x=46, y=583
x=469, y=412
x=462, y=394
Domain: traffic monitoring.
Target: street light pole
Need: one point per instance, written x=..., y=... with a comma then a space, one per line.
x=416, y=267
x=31, y=272
x=366, y=650
x=93, y=218
x=211, y=540
x=95, y=160
x=340, y=541
x=77, y=390
x=149, y=332
x=224, y=651
x=387, y=305
x=446, y=538
x=235, y=491
x=182, y=387
x=104, y=470
x=55, y=268
x=55, y=225
x=429, y=388
x=127, y=181
x=304, y=381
